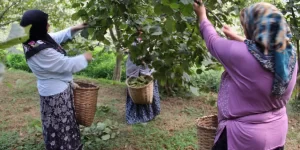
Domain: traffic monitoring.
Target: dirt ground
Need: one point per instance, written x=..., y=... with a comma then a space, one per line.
x=20, y=105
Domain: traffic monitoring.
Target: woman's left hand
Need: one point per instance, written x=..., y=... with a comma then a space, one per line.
x=78, y=27
x=74, y=85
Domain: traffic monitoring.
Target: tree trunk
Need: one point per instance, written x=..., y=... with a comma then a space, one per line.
x=118, y=68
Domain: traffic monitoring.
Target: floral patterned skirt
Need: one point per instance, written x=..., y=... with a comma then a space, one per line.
x=136, y=113
x=60, y=129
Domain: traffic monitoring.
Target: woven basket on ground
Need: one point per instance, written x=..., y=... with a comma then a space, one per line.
x=143, y=94
x=85, y=100
x=206, y=130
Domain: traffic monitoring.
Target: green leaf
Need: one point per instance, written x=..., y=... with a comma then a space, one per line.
x=101, y=126
x=84, y=33
x=75, y=16
x=100, y=37
x=174, y=6
x=181, y=26
x=157, y=33
x=123, y=26
x=98, y=140
x=91, y=31
x=107, y=130
x=82, y=13
x=106, y=42
x=105, y=137
x=199, y=71
x=75, y=5
x=108, y=122
x=158, y=9
x=86, y=129
x=38, y=128
x=157, y=19
x=167, y=9
x=169, y=26
x=187, y=10
x=162, y=82
x=113, y=135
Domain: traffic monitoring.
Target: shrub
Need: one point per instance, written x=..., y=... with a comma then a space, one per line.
x=102, y=66
x=17, y=61
x=207, y=81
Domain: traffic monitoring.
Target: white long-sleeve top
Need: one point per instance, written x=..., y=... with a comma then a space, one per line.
x=54, y=70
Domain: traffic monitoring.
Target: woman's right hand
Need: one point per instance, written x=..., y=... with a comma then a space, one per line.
x=88, y=56
x=200, y=10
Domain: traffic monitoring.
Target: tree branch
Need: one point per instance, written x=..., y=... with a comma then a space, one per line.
x=111, y=32
x=118, y=32
x=6, y=10
x=7, y=23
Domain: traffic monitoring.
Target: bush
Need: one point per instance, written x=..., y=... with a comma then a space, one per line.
x=17, y=61
x=207, y=81
x=102, y=66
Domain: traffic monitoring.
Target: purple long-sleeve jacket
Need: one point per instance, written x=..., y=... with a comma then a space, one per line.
x=254, y=119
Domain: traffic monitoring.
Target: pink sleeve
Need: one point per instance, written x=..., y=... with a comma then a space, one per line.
x=219, y=47
x=233, y=55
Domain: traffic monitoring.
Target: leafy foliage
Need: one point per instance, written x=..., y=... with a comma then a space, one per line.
x=207, y=81
x=17, y=61
x=99, y=132
x=102, y=66
x=139, y=81
x=171, y=43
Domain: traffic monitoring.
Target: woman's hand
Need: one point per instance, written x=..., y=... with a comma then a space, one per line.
x=74, y=85
x=88, y=56
x=81, y=26
x=78, y=27
x=200, y=10
x=228, y=31
x=232, y=34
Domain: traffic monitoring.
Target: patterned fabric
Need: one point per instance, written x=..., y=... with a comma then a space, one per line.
x=34, y=47
x=60, y=129
x=268, y=39
x=136, y=113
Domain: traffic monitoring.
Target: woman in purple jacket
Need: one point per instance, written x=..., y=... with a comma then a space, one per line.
x=260, y=74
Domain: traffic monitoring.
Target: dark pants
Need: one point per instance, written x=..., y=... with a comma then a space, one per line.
x=221, y=144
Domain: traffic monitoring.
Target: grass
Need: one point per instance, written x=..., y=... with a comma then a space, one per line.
x=174, y=128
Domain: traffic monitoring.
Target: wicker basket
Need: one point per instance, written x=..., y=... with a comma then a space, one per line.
x=206, y=130
x=85, y=100
x=141, y=95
